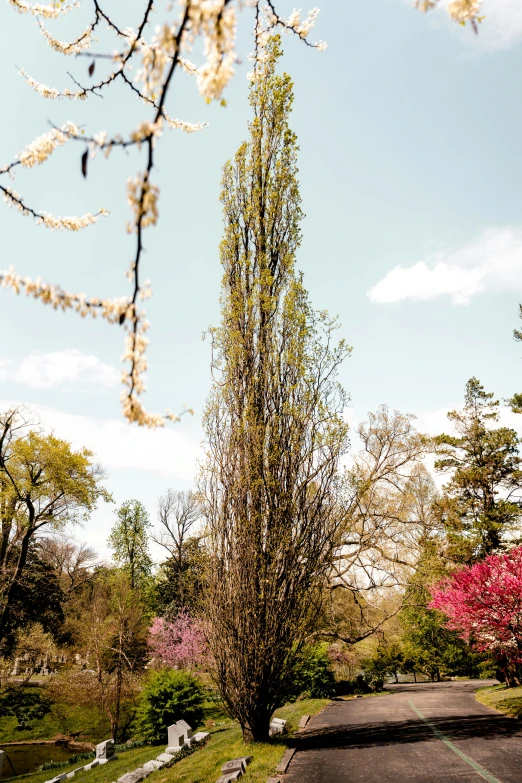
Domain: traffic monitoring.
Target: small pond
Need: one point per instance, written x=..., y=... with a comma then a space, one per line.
x=20, y=759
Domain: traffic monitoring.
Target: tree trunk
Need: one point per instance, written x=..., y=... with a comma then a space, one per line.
x=257, y=731
x=22, y=559
x=414, y=676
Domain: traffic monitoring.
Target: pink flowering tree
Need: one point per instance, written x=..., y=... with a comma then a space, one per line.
x=483, y=602
x=180, y=644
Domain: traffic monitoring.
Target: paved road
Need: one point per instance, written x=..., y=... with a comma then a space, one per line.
x=425, y=733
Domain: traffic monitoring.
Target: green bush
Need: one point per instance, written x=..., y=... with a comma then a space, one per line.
x=313, y=675
x=169, y=696
x=25, y=705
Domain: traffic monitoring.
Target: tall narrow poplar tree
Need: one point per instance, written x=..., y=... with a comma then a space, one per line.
x=274, y=425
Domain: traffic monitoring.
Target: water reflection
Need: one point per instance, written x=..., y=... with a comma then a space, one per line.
x=20, y=759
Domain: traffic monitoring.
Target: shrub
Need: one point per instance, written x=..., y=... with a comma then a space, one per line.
x=313, y=674
x=25, y=705
x=169, y=696
x=357, y=686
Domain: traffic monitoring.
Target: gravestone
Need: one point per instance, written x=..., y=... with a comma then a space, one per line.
x=134, y=777
x=1, y=761
x=153, y=765
x=235, y=765
x=165, y=757
x=184, y=725
x=229, y=778
x=105, y=750
x=176, y=736
x=277, y=726
x=92, y=764
x=200, y=735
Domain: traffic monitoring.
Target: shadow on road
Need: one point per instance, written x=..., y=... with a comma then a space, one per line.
x=367, y=735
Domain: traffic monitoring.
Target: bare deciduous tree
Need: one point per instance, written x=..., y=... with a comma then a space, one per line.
x=74, y=562
x=387, y=515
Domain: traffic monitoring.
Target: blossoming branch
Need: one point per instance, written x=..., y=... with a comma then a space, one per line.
x=157, y=58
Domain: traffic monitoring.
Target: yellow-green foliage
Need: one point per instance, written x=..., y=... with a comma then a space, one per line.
x=274, y=423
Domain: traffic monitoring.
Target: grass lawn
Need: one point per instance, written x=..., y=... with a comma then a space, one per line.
x=203, y=766
x=226, y=743
x=506, y=700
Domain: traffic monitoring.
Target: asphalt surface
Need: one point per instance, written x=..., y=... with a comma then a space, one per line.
x=424, y=733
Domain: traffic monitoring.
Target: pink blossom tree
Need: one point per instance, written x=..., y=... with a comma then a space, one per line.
x=180, y=644
x=483, y=602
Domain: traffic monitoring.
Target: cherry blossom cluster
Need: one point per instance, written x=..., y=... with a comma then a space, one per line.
x=146, y=66
x=180, y=643
x=483, y=602
x=461, y=11
x=51, y=11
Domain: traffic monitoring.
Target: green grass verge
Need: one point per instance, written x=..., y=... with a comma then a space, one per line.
x=204, y=765
x=505, y=700
x=226, y=743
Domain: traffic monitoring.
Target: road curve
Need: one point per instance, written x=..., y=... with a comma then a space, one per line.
x=422, y=733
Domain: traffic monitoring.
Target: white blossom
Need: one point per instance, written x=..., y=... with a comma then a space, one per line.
x=71, y=223
x=51, y=92
x=41, y=148
x=51, y=11
x=82, y=43
x=143, y=200
x=461, y=11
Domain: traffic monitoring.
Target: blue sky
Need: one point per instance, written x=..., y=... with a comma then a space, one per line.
x=411, y=176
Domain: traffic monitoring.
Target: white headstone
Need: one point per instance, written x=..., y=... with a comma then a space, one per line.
x=176, y=735
x=105, y=750
x=165, y=757
x=152, y=765
x=1, y=761
x=184, y=725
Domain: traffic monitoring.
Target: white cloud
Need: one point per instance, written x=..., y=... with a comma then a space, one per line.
x=67, y=370
x=118, y=445
x=491, y=263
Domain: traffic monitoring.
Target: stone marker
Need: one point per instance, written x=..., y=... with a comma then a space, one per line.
x=134, y=777
x=200, y=735
x=230, y=778
x=176, y=735
x=1, y=761
x=93, y=764
x=236, y=764
x=184, y=725
x=304, y=720
x=285, y=761
x=277, y=726
x=152, y=765
x=165, y=757
x=105, y=750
